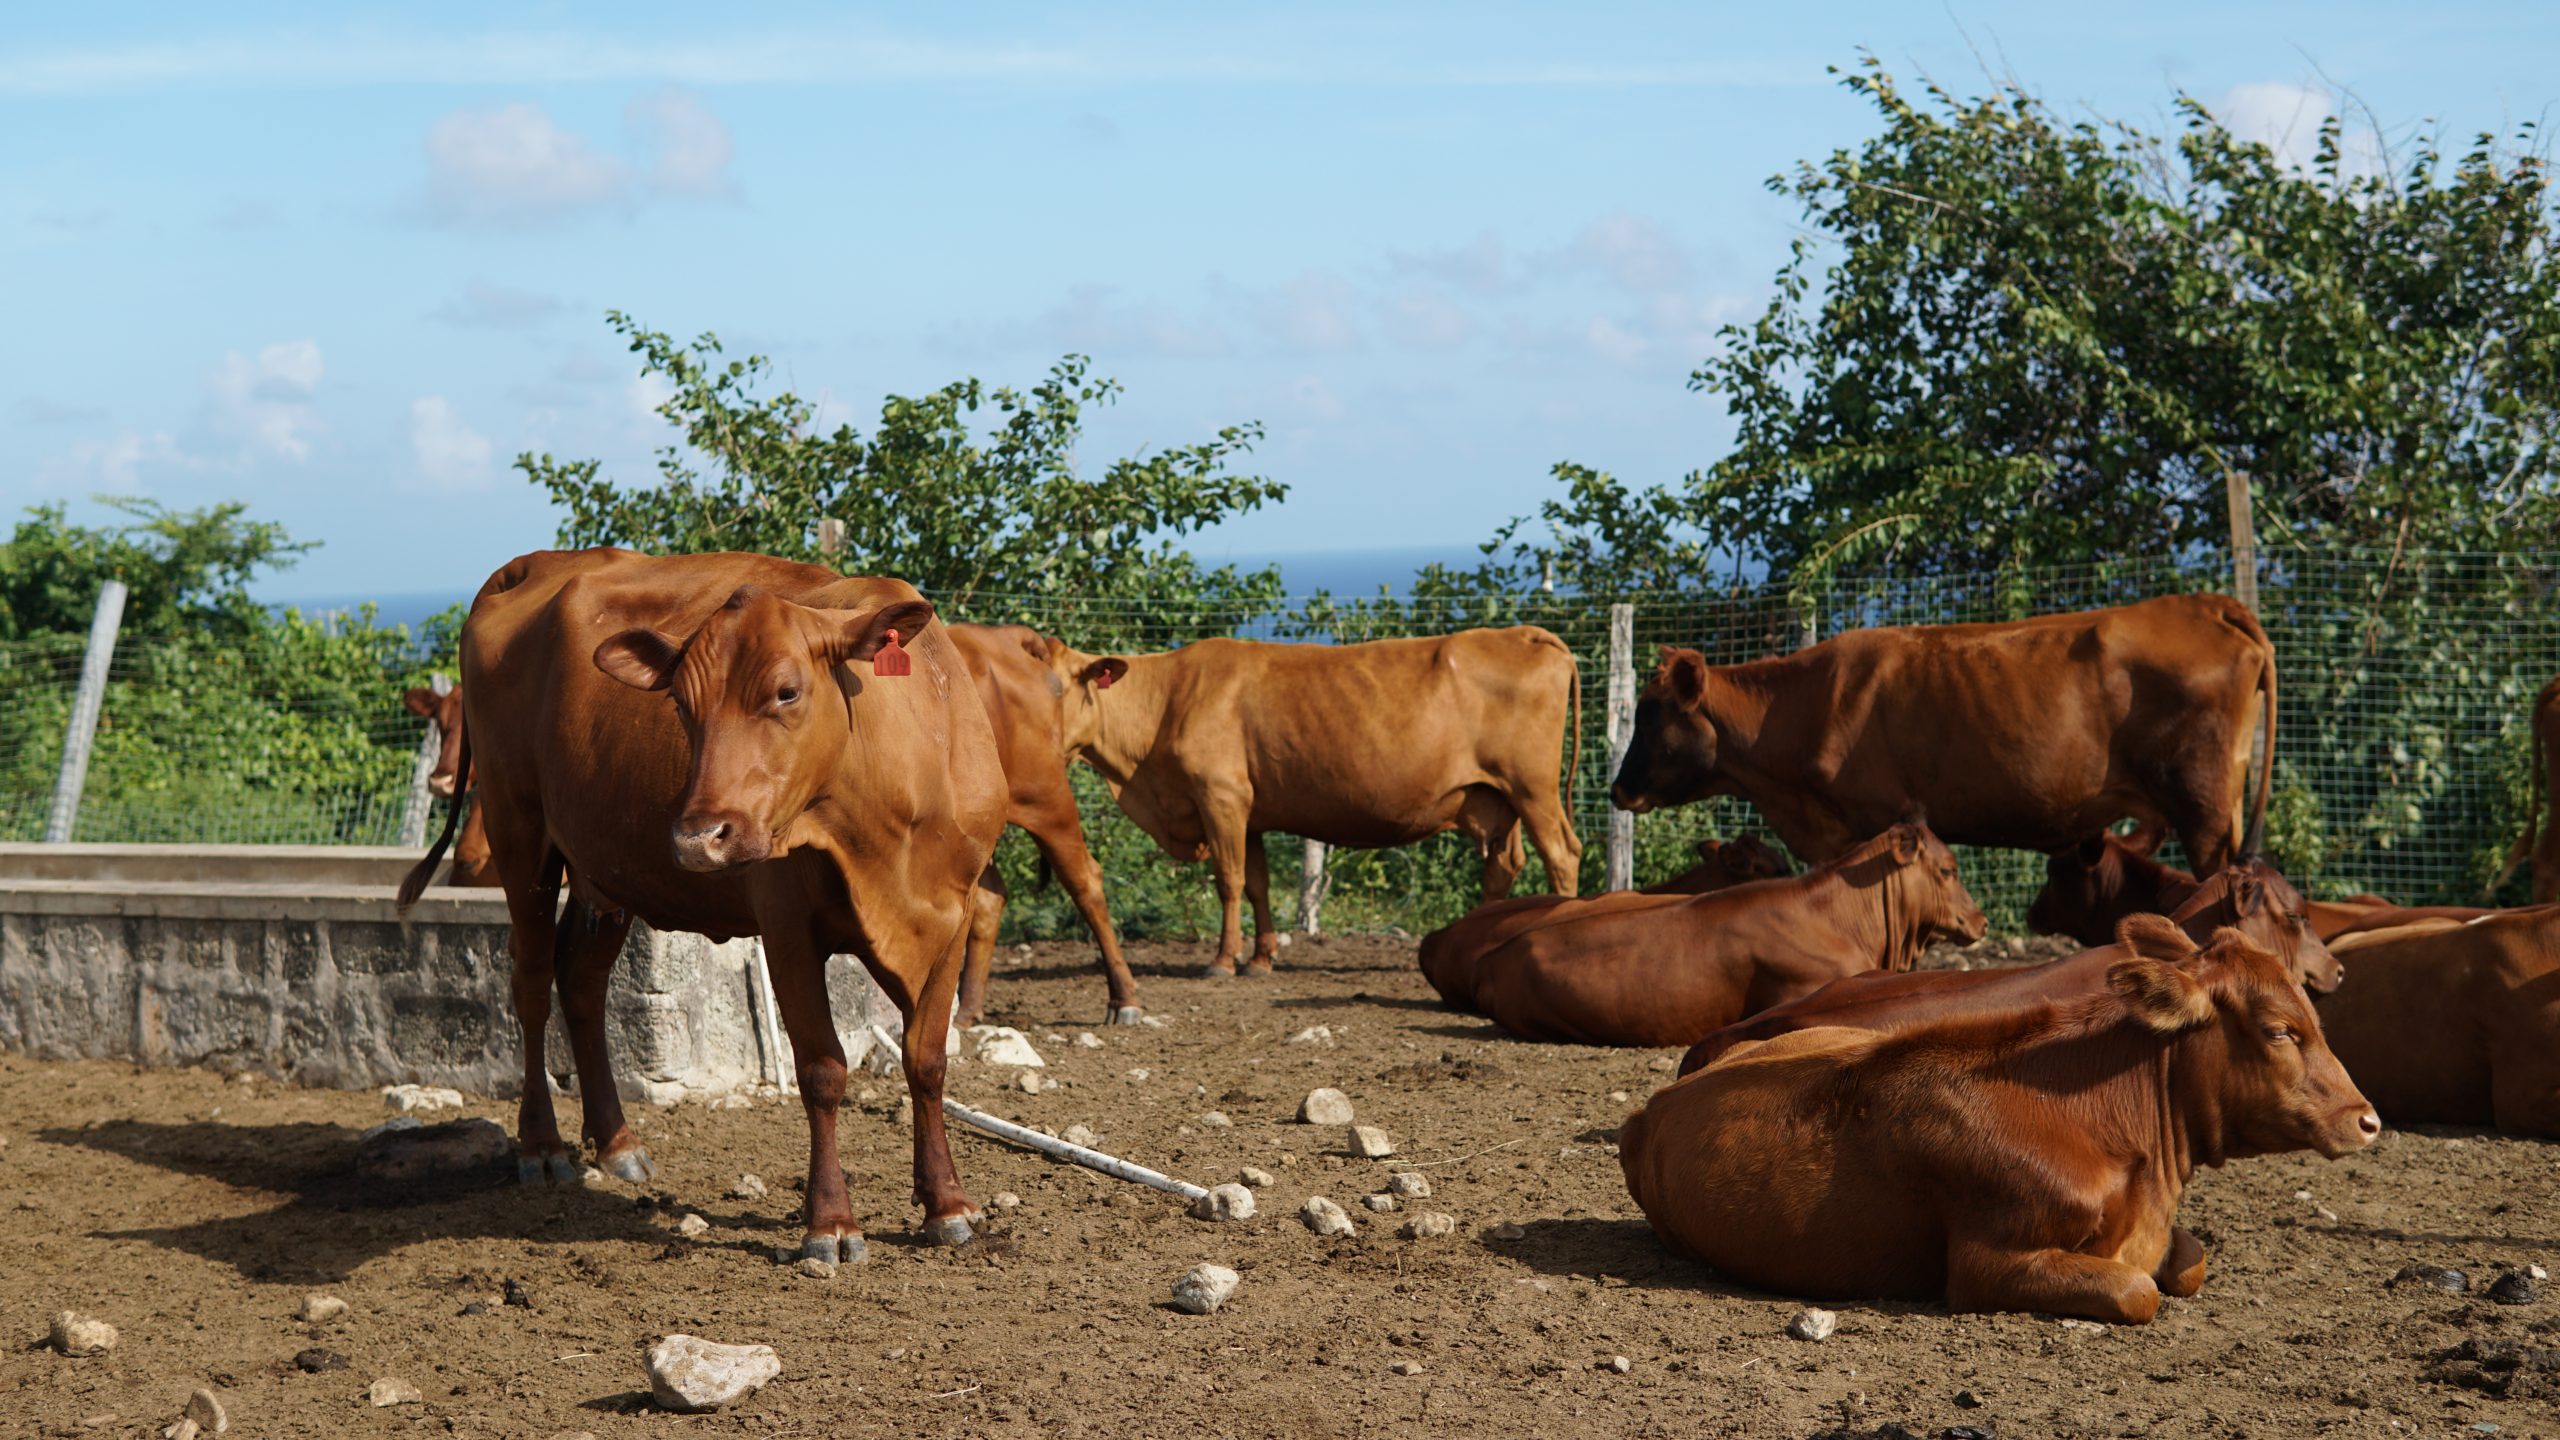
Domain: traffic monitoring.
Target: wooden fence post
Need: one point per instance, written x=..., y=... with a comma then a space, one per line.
x=413, y=815
x=1313, y=881
x=2244, y=539
x=1621, y=866
x=86, y=704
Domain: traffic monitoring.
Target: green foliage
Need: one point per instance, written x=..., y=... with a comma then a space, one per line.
x=187, y=569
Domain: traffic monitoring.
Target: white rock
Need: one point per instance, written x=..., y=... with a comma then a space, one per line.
x=693, y=1227
x=1665, y=1064
x=321, y=1309
x=1204, y=1288
x=388, y=1392
x=815, y=1268
x=184, y=1429
x=1506, y=1231
x=1004, y=1045
x=1812, y=1325
x=1327, y=1106
x=1325, y=1218
x=1137, y=1076
x=1029, y=1081
x=1406, y=1367
x=1006, y=1200
x=1087, y=1040
x=1213, y=1120
x=1618, y=1363
x=1152, y=1022
x=1618, y=1097
x=204, y=1408
x=749, y=1187
x=1081, y=1135
x=403, y=1099
x=76, y=1334
x=1371, y=1143
x=1411, y=1184
x=690, y=1374
x=1380, y=1203
x=1255, y=1178
x=1313, y=1035
x=1428, y=1225
x=1224, y=1202
x=734, y=1100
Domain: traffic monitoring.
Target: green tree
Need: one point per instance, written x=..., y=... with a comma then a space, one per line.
x=187, y=569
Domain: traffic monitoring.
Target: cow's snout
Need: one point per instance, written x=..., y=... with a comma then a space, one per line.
x=1628, y=800
x=717, y=842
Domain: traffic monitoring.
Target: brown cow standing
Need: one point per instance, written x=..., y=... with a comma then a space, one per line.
x=2457, y=1023
x=785, y=786
x=1449, y=954
x=1024, y=699
x=2010, y=1161
x=1665, y=970
x=2030, y=734
x=2254, y=899
x=2541, y=837
x=1361, y=746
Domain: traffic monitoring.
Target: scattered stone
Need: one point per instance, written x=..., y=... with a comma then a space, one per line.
x=1618, y=1097
x=1325, y=1218
x=78, y=1336
x=2513, y=1287
x=1138, y=1076
x=1506, y=1231
x=1967, y=1400
x=1087, y=1040
x=2325, y=1213
x=396, y=1122
x=749, y=1187
x=514, y=1293
x=1029, y=1081
x=1152, y=1022
x=1213, y=1120
x=1411, y=1184
x=591, y=1176
x=693, y=1227
x=1313, y=1035
x=387, y=1392
x=1371, y=1143
x=413, y=1154
x=1618, y=1364
x=1006, y=1200
x=2537, y=1272
x=1406, y=1367
x=1224, y=1202
x=1081, y=1135
x=205, y=1409
x=316, y=1361
x=690, y=1374
x=1812, y=1325
x=1255, y=1178
x=1004, y=1045
x=403, y=1099
x=1429, y=1225
x=1204, y=1288
x=734, y=1100
x=1665, y=1064
x=476, y=1307
x=815, y=1268
x=1379, y=1203
x=183, y=1430
x=2452, y=1282
x=2302, y=1197
x=1326, y=1106
x=321, y=1309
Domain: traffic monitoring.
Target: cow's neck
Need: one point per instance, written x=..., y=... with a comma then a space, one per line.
x=2195, y=1107
x=1128, y=720
x=1873, y=911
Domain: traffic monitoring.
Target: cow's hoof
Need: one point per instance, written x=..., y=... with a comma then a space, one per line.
x=1257, y=969
x=555, y=1167
x=835, y=1249
x=1127, y=1015
x=632, y=1165
x=1217, y=970
x=949, y=1230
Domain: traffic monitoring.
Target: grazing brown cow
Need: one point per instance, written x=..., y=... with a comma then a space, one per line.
x=1025, y=701
x=471, y=852
x=1362, y=746
x=2456, y=1023
x=1666, y=969
x=2025, y=1160
x=2030, y=735
x=2254, y=899
x=2096, y=885
x=1450, y=954
x=2541, y=838
x=791, y=782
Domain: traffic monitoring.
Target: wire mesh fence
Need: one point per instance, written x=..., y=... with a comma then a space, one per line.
x=2401, y=756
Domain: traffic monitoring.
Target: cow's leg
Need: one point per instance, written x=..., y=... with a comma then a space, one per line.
x=923, y=984
x=1257, y=890
x=532, y=934
x=986, y=916
x=1225, y=825
x=590, y=942
x=2181, y=1271
x=1484, y=814
x=799, y=971
x=1551, y=830
x=2053, y=1282
x=1060, y=837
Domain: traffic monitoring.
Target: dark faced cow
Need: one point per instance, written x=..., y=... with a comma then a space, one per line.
x=2094, y=886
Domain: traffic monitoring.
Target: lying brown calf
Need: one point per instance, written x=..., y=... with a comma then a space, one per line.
x=2029, y=1160
x=1450, y=953
x=1664, y=970
x=2091, y=888
x=2254, y=899
x=2456, y=1023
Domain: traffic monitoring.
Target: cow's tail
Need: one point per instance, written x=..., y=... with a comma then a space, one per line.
x=423, y=873
x=1573, y=770
x=2253, y=833
x=2533, y=809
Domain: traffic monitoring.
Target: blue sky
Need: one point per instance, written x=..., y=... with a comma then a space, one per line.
x=345, y=262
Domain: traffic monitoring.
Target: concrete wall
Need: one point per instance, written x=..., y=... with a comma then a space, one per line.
x=288, y=960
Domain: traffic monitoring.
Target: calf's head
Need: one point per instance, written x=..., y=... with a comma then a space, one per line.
x=2254, y=1075
x=2090, y=889
x=1745, y=857
x=445, y=713
x=2256, y=899
x=1671, y=756
x=762, y=700
x=1922, y=883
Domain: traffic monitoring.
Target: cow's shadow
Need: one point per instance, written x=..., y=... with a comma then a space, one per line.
x=332, y=1221
x=1628, y=1253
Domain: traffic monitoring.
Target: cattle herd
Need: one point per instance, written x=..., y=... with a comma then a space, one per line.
x=741, y=745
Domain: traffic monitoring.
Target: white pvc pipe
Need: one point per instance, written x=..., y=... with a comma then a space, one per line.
x=1110, y=1165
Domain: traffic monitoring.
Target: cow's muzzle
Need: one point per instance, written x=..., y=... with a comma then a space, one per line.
x=718, y=842
x=1629, y=800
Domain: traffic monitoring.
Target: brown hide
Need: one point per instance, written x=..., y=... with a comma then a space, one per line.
x=1025, y=702
x=2252, y=899
x=2456, y=1023
x=1360, y=746
x=701, y=742
x=2093, y=887
x=471, y=852
x=1666, y=969
x=1449, y=954
x=2027, y=1160
x=2031, y=734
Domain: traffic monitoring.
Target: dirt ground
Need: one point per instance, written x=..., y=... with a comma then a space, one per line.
x=195, y=1213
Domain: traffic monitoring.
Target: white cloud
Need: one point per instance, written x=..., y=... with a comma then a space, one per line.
x=1095, y=319
x=1424, y=320
x=1481, y=266
x=1310, y=311
x=487, y=305
x=1635, y=254
x=688, y=147
x=118, y=463
x=511, y=164
x=2287, y=119
x=647, y=392
x=264, y=404
x=451, y=455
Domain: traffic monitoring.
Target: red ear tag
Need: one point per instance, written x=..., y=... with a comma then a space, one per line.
x=891, y=660
x=1102, y=681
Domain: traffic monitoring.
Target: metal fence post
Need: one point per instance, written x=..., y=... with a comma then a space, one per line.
x=1313, y=881
x=91, y=698
x=413, y=816
x=1621, y=868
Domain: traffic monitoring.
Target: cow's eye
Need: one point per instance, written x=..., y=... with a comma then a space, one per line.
x=2281, y=1035
x=786, y=694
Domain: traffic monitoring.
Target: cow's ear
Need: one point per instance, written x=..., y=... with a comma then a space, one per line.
x=1036, y=645
x=2248, y=891
x=642, y=659
x=1906, y=843
x=1688, y=674
x=2154, y=937
x=1710, y=850
x=2164, y=996
x=1102, y=672
x=421, y=702
x=860, y=634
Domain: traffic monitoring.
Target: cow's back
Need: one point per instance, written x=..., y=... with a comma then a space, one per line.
x=2432, y=1011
